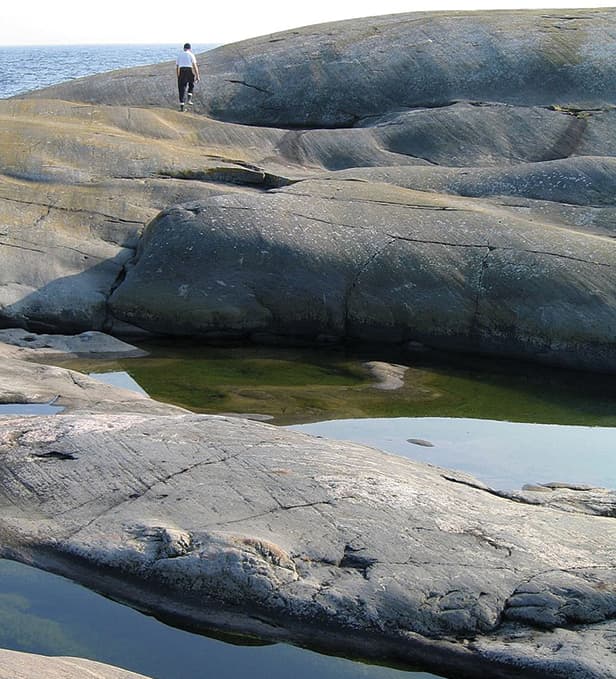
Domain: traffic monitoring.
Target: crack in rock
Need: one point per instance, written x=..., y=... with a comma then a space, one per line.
x=245, y=84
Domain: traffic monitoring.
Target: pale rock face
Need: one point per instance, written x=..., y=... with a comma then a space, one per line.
x=221, y=523
x=17, y=665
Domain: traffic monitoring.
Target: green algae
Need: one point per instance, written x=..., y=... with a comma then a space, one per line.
x=292, y=385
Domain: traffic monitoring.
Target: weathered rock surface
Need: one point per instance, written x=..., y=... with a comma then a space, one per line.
x=440, y=178
x=224, y=524
x=469, y=204
x=388, y=376
x=23, y=382
x=77, y=185
x=16, y=665
x=333, y=75
x=90, y=344
x=373, y=262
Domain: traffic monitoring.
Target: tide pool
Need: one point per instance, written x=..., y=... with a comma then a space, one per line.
x=504, y=455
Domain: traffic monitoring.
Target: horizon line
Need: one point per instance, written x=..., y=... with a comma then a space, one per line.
x=111, y=44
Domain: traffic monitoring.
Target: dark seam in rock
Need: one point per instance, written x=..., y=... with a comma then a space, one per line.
x=427, y=562
x=560, y=256
x=254, y=87
x=445, y=243
x=135, y=496
x=436, y=208
x=474, y=325
x=361, y=269
x=493, y=248
x=113, y=218
x=55, y=247
x=56, y=455
x=275, y=510
x=75, y=381
x=42, y=218
x=21, y=247
x=310, y=218
x=490, y=491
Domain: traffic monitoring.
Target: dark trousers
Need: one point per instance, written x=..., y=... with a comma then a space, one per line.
x=186, y=81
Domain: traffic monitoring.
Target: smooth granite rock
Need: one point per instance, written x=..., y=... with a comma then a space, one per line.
x=334, y=75
x=90, y=344
x=30, y=382
x=441, y=177
x=444, y=179
x=222, y=524
x=17, y=665
x=374, y=262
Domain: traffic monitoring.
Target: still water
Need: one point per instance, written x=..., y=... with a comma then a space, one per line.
x=47, y=614
x=504, y=455
x=506, y=423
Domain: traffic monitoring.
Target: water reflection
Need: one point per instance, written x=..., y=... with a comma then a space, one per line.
x=119, y=378
x=504, y=455
x=298, y=385
x=44, y=613
x=29, y=409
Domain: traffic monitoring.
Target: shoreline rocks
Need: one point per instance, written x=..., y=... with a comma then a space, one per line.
x=220, y=523
x=91, y=344
x=18, y=665
x=456, y=193
x=443, y=179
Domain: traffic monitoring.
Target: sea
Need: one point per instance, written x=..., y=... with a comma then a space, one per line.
x=27, y=68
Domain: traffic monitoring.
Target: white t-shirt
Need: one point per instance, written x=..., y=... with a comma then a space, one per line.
x=186, y=59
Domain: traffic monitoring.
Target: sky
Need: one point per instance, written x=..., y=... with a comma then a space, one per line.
x=63, y=22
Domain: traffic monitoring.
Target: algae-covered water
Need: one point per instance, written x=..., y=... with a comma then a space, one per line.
x=308, y=385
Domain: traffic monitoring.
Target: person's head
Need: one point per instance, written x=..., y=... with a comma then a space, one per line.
x=186, y=45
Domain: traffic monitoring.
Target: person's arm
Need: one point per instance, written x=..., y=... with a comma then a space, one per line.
x=195, y=68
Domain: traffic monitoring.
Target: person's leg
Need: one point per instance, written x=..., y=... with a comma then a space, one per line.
x=183, y=83
x=191, y=87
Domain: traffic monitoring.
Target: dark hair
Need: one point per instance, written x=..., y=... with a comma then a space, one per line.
x=186, y=45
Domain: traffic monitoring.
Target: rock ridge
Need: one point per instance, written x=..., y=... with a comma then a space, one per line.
x=420, y=561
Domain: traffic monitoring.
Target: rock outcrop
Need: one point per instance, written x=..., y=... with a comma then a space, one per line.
x=16, y=665
x=25, y=379
x=217, y=523
x=93, y=344
x=437, y=177
x=373, y=262
x=336, y=75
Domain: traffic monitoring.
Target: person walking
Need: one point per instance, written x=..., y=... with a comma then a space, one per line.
x=187, y=73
